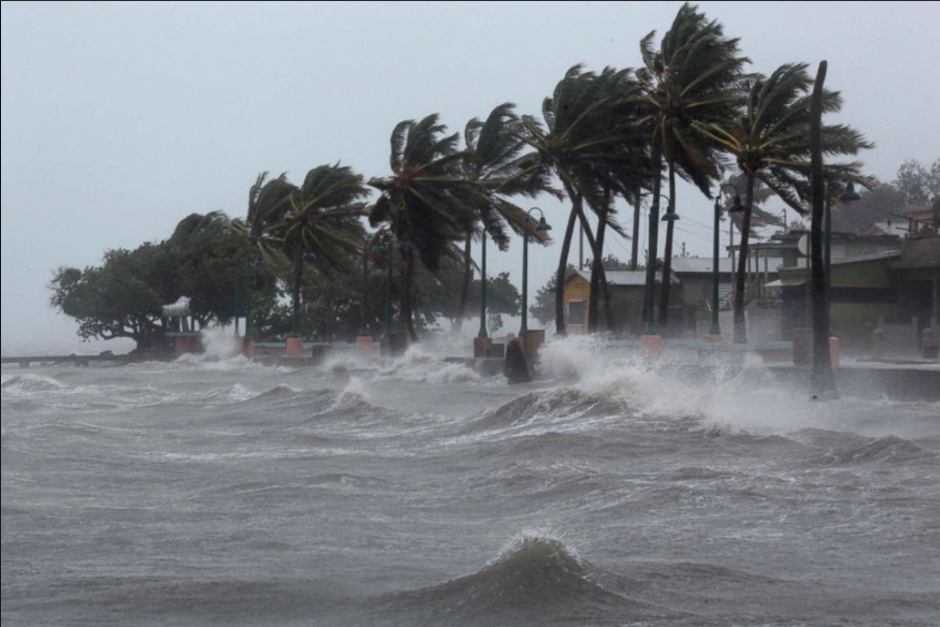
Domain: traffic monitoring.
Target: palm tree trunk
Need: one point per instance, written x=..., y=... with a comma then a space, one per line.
x=740, y=282
x=823, y=383
x=649, y=294
x=667, y=257
x=635, y=251
x=560, y=328
x=597, y=267
x=408, y=297
x=465, y=287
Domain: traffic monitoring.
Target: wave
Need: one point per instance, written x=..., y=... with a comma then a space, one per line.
x=28, y=383
x=733, y=397
x=532, y=578
x=354, y=395
x=541, y=407
x=890, y=449
x=417, y=365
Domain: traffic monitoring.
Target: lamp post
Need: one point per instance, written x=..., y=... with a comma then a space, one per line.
x=243, y=274
x=483, y=332
x=365, y=286
x=387, y=248
x=295, y=316
x=651, y=262
x=735, y=208
x=847, y=196
x=405, y=305
x=499, y=238
x=542, y=226
x=235, y=307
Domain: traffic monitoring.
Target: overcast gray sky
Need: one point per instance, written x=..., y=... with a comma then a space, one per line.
x=120, y=119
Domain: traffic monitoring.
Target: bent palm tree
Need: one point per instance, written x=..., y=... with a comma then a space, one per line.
x=770, y=141
x=591, y=141
x=692, y=78
x=493, y=160
x=324, y=223
x=427, y=202
x=319, y=220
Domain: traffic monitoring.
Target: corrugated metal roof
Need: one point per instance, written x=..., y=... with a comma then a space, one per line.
x=882, y=254
x=624, y=278
x=620, y=277
x=703, y=265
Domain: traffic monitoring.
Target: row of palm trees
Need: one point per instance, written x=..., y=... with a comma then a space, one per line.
x=690, y=111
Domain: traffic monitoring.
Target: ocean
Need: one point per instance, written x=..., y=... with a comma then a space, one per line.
x=213, y=490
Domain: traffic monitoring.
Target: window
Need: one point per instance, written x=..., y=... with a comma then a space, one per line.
x=576, y=312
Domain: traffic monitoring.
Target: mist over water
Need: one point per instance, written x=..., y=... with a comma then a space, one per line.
x=416, y=492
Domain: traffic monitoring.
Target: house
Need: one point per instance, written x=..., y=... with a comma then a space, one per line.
x=690, y=297
x=626, y=294
x=892, y=289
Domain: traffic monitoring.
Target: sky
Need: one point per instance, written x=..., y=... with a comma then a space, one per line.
x=119, y=119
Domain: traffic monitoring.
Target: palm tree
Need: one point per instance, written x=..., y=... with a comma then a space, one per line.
x=591, y=141
x=692, y=78
x=318, y=221
x=770, y=141
x=426, y=201
x=493, y=160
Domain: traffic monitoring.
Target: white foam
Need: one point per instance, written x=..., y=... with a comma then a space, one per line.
x=354, y=393
x=528, y=536
x=30, y=383
x=219, y=343
x=746, y=397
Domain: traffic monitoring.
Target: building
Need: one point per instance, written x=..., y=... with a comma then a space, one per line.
x=881, y=282
x=626, y=293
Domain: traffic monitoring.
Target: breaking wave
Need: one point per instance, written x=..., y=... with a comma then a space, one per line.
x=534, y=576
x=29, y=383
x=890, y=449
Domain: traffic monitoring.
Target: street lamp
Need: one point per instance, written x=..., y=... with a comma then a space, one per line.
x=736, y=207
x=387, y=248
x=295, y=316
x=542, y=226
x=499, y=238
x=242, y=274
x=846, y=196
x=651, y=261
x=365, y=286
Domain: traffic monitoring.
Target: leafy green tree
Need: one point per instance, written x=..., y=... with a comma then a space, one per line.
x=770, y=141
x=612, y=264
x=122, y=298
x=502, y=297
x=691, y=79
x=119, y=299
x=919, y=185
x=543, y=307
x=207, y=257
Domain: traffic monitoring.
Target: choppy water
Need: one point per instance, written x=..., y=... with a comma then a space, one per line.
x=417, y=493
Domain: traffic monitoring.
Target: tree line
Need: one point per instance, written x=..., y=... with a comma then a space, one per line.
x=691, y=110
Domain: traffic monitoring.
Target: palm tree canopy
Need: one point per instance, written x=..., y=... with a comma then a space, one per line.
x=770, y=137
x=495, y=160
x=760, y=215
x=322, y=216
x=591, y=138
x=693, y=77
x=426, y=199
